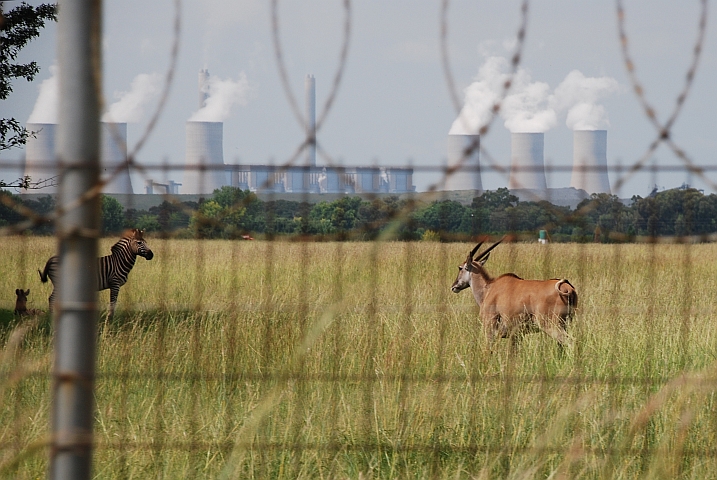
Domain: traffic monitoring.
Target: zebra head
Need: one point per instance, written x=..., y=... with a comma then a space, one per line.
x=139, y=245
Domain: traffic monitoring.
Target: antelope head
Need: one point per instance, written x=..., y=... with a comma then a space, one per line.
x=471, y=265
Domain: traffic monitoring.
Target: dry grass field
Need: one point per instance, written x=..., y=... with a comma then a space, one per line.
x=354, y=360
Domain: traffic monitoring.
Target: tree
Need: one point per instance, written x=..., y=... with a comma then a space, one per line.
x=17, y=28
x=112, y=215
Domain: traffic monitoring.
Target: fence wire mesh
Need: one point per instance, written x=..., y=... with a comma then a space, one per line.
x=274, y=336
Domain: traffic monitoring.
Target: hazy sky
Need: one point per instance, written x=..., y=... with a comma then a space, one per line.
x=393, y=105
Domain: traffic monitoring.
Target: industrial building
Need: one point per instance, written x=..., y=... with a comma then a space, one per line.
x=206, y=171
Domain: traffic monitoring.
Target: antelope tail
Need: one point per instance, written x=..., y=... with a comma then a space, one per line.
x=570, y=295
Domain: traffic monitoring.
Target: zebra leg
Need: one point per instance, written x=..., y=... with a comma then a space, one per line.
x=114, y=292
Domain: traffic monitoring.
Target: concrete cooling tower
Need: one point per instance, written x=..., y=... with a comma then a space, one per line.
x=204, y=163
x=527, y=167
x=590, y=161
x=40, y=157
x=113, y=158
x=467, y=177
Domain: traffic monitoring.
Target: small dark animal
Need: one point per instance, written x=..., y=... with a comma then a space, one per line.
x=21, y=304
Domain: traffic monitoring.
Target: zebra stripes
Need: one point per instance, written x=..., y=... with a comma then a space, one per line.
x=112, y=270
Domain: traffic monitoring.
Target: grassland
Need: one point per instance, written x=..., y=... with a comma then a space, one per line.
x=354, y=360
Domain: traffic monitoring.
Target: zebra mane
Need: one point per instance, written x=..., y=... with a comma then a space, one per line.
x=117, y=247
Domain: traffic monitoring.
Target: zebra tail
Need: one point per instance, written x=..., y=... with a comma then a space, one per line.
x=43, y=274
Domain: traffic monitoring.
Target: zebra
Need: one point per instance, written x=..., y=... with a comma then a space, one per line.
x=112, y=270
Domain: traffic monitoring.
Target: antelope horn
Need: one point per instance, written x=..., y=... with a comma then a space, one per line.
x=489, y=249
x=473, y=252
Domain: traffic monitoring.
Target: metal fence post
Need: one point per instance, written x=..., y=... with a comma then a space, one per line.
x=79, y=36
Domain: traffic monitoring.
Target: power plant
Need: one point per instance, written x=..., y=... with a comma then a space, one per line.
x=527, y=166
x=204, y=162
x=464, y=150
x=590, y=161
x=206, y=171
x=113, y=155
x=41, y=161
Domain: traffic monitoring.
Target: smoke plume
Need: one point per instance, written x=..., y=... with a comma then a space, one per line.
x=530, y=106
x=526, y=108
x=480, y=97
x=579, y=96
x=130, y=105
x=45, y=109
x=222, y=96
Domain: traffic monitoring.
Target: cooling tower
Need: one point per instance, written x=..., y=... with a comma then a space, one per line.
x=527, y=167
x=204, y=163
x=310, y=89
x=40, y=158
x=590, y=161
x=467, y=177
x=113, y=158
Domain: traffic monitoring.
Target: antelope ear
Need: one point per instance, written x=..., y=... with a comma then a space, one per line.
x=27, y=292
x=17, y=291
x=482, y=261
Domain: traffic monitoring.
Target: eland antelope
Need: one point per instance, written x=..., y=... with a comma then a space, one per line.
x=510, y=305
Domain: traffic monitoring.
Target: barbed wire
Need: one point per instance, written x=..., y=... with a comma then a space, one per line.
x=292, y=373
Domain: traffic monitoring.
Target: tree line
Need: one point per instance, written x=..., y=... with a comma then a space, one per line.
x=231, y=212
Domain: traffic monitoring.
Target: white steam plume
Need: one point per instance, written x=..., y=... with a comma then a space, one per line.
x=222, y=96
x=45, y=109
x=480, y=96
x=130, y=105
x=579, y=96
x=525, y=109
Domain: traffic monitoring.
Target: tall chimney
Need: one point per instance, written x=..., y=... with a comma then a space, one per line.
x=590, y=161
x=113, y=155
x=310, y=89
x=527, y=167
x=204, y=162
x=40, y=157
x=465, y=149
x=203, y=80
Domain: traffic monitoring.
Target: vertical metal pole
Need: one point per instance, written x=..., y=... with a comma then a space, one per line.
x=77, y=230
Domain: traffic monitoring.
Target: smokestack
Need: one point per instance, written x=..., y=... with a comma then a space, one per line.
x=113, y=156
x=527, y=167
x=40, y=158
x=203, y=94
x=204, y=158
x=467, y=177
x=310, y=89
x=590, y=161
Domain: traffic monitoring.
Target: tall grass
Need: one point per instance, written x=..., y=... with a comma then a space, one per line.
x=292, y=360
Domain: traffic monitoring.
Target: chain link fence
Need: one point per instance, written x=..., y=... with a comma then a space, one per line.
x=275, y=336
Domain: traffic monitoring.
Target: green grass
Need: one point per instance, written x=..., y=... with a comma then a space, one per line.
x=326, y=360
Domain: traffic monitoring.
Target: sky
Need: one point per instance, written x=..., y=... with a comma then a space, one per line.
x=393, y=105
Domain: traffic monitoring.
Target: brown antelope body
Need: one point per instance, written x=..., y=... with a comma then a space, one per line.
x=21, y=304
x=510, y=305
